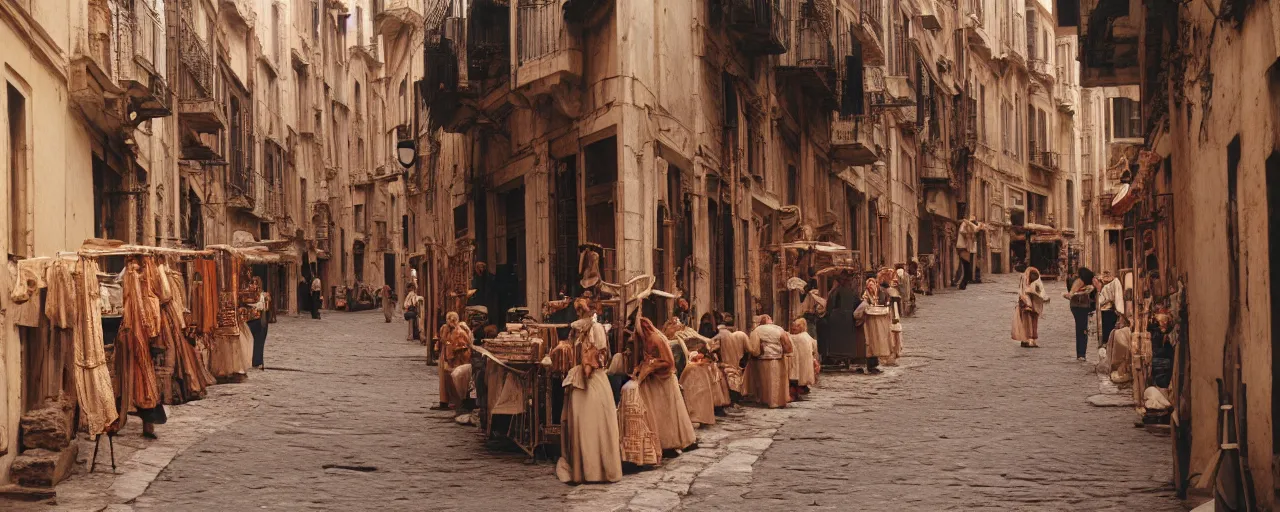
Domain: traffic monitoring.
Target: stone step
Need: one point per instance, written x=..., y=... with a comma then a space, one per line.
x=43, y=468
x=50, y=427
x=27, y=494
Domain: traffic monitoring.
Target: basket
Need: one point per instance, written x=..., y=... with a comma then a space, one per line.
x=516, y=348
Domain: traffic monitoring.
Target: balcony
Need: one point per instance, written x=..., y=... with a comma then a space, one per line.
x=1045, y=160
x=240, y=189
x=488, y=39
x=200, y=116
x=759, y=26
x=869, y=29
x=444, y=83
x=142, y=76
x=1040, y=70
x=392, y=16
x=547, y=54
x=936, y=174
x=853, y=140
x=811, y=61
x=1109, y=43
x=372, y=53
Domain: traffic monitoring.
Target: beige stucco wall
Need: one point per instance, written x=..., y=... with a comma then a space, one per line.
x=59, y=158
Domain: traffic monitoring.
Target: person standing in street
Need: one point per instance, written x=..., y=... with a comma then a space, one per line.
x=388, y=303
x=767, y=371
x=316, y=301
x=1110, y=305
x=965, y=242
x=590, y=446
x=259, y=322
x=876, y=320
x=802, y=362
x=1026, y=314
x=1081, y=297
x=413, y=313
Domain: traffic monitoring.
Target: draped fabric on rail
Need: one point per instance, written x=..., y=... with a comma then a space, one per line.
x=93, y=381
x=138, y=388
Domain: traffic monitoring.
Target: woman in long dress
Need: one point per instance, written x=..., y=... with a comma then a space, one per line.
x=1026, y=314
x=455, y=344
x=876, y=319
x=590, y=445
x=837, y=335
x=661, y=390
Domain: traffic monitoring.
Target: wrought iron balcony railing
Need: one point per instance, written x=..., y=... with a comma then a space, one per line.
x=539, y=27
x=761, y=25
x=195, y=74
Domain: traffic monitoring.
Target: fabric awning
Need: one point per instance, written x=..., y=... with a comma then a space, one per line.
x=1123, y=200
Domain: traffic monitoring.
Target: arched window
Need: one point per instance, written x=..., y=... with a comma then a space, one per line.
x=357, y=100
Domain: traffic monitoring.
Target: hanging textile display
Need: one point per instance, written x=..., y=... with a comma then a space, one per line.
x=92, y=380
x=189, y=372
x=134, y=369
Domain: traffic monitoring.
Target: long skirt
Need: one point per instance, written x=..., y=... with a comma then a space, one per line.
x=638, y=428
x=879, y=335
x=722, y=398
x=662, y=395
x=590, y=446
x=460, y=384
x=768, y=383
x=698, y=381
x=1026, y=325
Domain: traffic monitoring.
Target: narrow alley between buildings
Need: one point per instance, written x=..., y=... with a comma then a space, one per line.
x=969, y=421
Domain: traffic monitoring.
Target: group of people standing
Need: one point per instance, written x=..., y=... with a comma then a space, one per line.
x=684, y=379
x=1086, y=293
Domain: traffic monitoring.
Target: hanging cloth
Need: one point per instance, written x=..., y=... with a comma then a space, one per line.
x=93, y=381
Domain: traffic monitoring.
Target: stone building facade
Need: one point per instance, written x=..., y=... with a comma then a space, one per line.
x=1019, y=78
x=1198, y=209
x=179, y=123
x=686, y=139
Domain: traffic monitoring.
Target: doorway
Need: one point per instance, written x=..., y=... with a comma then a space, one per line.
x=389, y=270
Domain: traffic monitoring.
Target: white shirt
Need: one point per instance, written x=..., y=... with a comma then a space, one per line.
x=1111, y=297
x=315, y=284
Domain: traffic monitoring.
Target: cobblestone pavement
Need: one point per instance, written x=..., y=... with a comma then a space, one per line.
x=968, y=421
x=971, y=422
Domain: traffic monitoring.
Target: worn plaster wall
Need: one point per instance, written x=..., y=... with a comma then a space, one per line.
x=60, y=177
x=1239, y=102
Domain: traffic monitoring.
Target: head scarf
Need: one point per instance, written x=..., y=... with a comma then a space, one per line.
x=1031, y=275
x=871, y=290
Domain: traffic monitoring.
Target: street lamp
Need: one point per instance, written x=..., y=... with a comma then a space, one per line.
x=407, y=153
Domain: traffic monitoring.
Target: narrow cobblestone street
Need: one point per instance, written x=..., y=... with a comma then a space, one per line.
x=968, y=421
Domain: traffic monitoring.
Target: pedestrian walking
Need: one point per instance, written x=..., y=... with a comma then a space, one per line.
x=413, y=313
x=388, y=302
x=966, y=240
x=1110, y=305
x=258, y=322
x=316, y=301
x=1026, y=313
x=1081, y=296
